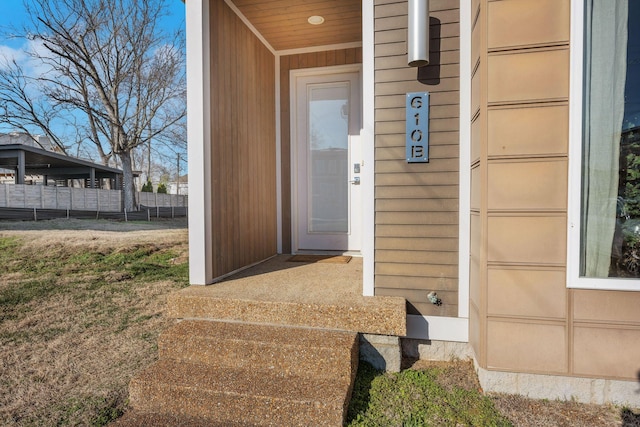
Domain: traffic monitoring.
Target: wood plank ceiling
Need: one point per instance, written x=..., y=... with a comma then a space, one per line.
x=283, y=23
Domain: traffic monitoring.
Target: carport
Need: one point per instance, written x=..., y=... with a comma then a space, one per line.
x=25, y=160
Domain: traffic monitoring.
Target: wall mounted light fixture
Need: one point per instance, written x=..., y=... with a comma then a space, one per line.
x=418, y=34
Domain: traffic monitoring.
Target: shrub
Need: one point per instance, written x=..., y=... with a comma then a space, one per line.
x=148, y=187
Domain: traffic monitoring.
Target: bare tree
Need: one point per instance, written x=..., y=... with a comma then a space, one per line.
x=108, y=61
x=22, y=105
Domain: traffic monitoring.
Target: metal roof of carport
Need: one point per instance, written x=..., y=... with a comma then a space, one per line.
x=27, y=160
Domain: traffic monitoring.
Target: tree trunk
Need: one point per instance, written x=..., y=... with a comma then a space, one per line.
x=129, y=189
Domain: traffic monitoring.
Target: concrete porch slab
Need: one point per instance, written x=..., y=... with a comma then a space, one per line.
x=316, y=295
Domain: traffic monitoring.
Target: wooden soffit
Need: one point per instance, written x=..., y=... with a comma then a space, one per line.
x=283, y=23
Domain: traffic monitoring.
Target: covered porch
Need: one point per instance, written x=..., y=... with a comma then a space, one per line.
x=309, y=292
x=241, y=123
x=273, y=341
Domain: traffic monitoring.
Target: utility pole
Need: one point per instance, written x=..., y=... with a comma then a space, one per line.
x=178, y=176
x=149, y=158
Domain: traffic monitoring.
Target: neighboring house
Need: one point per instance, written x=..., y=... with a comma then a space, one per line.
x=524, y=220
x=38, y=141
x=179, y=187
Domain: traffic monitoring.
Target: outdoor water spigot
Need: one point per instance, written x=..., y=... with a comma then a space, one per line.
x=433, y=298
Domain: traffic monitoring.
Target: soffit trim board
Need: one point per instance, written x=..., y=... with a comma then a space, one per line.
x=251, y=27
x=323, y=48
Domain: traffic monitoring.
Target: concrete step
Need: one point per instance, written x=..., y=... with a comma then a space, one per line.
x=231, y=395
x=371, y=315
x=134, y=419
x=288, y=350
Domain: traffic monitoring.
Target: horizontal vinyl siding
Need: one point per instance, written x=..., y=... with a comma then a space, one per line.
x=417, y=204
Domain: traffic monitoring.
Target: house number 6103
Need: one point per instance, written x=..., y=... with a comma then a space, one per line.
x=417, y=139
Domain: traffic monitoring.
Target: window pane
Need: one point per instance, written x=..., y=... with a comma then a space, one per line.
x=610, y=235
x=328, y=147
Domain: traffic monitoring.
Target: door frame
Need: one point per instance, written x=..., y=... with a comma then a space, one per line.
x=293, y=79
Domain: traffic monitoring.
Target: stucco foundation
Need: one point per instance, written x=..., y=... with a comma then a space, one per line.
x=535, y=386
x=381, y=351
x=436, y=350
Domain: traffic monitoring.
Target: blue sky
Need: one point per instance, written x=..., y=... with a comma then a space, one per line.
x=12, y=13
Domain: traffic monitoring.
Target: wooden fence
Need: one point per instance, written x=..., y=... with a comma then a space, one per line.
x=161, y=200
x=85, y=199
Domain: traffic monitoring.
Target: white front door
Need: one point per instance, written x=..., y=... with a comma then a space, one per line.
x=326, y=159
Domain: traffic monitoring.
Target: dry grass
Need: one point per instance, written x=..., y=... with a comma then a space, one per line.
x=524, y=412
x=72, y=334
x=553, y=413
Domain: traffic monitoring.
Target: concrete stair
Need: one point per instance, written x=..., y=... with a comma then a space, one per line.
x=221, y=373
x=276, y=345
x=287, y=350
x=371, y=315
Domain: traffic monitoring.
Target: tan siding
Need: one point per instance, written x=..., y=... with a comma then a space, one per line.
x=392, y=114
x=417, y=204
x=475, y=328
x=295, y=62
x=438, y=152
x=609, y=352
x=518, y=77
x=243, y=145
x=527, y=185
x=417, y=244
x=527, y=293
x=417, y=302
x=523, y=317
x=606, y=307
x=531, y=347
x=527, y=240
x=539, y=130
x=414, y=257
x=525, y=22
x=477, y=263
x=439, y=140
x=418, y=192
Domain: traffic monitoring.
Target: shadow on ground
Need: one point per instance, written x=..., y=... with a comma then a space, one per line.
x=93, y=224
x=630, y=418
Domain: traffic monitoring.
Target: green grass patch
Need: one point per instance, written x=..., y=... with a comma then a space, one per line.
x=417, y=398
x=140, y=262
x=89, y=410
x=15, y=297
x=26, y=292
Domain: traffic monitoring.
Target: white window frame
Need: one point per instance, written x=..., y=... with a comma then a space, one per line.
x=574, y=280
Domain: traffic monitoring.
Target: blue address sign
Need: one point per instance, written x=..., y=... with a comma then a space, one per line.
x=417, y=139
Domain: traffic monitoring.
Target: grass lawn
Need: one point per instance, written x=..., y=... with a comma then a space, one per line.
x=424, y=397
x=81, y=311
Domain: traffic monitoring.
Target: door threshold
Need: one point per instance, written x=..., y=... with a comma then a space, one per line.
x=356, y=254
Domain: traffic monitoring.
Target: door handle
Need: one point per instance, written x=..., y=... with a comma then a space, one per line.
x=355, y=180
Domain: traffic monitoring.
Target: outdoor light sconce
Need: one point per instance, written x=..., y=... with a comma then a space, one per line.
x=418, y=35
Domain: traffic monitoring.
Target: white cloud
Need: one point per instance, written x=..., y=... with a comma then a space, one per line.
x=9, y=54
x=26, y=56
